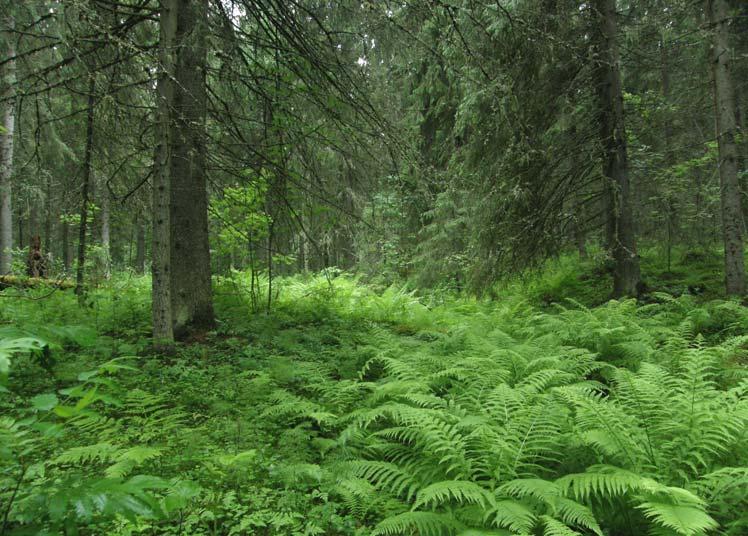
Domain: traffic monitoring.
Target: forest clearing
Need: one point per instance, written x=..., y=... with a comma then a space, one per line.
x=373, y=268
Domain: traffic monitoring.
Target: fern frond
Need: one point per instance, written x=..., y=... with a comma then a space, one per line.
x=602, y=482
x=553, y=527
x=99, y=452
x=687, y=520
x=513, y=515
x=460, y=491
x=575, y=514
x=535, y=487
x=485, y=532
x=387, y=476
x=128, y=459
x=421, y=523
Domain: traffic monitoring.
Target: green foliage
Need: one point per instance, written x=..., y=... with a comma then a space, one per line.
x=49, y=485
x=353, y=411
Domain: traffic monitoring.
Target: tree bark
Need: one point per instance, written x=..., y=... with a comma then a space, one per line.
x=6, y=160
x=80, y=270
x=65, y=239
x=670, y=202
x=724, y=113
x=742, y=156
x=140, y=246
x=181, y=186
x=48, y=213
x=161, y=251
x=620, y=235
x=105, y=229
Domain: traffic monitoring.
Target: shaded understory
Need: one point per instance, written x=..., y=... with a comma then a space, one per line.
x=355, y=410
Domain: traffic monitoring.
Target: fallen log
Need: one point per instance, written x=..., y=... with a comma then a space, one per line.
x=8, y=281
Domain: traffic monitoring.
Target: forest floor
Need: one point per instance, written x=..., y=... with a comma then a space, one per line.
x=346, y=408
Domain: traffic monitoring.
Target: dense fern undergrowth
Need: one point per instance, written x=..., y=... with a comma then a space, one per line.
x=352, y=410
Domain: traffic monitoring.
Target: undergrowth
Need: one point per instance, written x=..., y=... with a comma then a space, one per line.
x=354, y=411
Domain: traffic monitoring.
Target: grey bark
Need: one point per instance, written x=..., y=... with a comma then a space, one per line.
x=88, y=156
x=620, y=236
x=670, y=209
x=105, y=228
x=161, y=250
x=48, y=213
x=742, y=156
x=140, y=246
x=65, y=239
x=724, y=113
x=6, y=160
x=181, y=185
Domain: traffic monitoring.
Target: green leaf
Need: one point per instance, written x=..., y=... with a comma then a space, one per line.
x=687, y=520
x=461, y=491
x=425, y=523
x=44, y=402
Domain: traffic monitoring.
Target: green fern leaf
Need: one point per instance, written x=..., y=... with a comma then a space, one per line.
x=484, y=532
x=513, y=515
x=687, y=520
x=602, y=481
x=573, y=513
x=536, y=487
x=461, y=491
x=553, y=527
x=99, y=452
x=422, y=523
x=128, y=459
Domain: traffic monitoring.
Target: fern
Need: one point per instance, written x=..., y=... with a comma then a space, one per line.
x=421, y=523
x=460, y=491
x=603, y=482
x=683, y=519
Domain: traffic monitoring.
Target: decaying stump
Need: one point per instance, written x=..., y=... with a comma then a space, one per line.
x=36, y=264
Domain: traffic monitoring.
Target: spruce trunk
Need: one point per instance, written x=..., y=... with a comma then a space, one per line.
x=620, y=235
x=6, y=160
x=724, y=114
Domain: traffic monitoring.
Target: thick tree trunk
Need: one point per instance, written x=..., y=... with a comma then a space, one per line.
x=724, y=112
x=181, y=187
x=192, y=296
x=80, y=270
x=6, y=160
x=161, y=236
x=620, y=234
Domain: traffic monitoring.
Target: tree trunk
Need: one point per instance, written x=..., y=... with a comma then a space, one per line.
x=21, y=231
x=181, y=187
x=140, y=246
x=580, y=238
x=742, y=157
x=724, y=112
x=33, y=204
x=670, y=201
x=620, y=235
x=6, y=160
x=65, y=239
x=48, y=212
x=105, y=229
x=79, y=289
x=161, y=251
